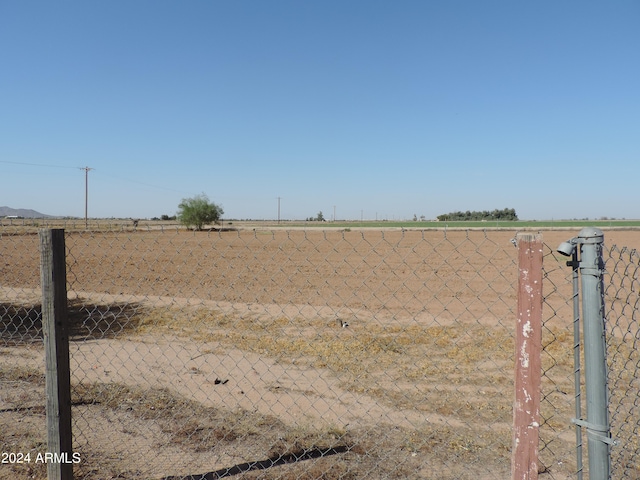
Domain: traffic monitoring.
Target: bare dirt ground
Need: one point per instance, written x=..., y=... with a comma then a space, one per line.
x=224, y=353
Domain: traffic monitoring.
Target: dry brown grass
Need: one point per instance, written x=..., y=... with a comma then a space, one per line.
x=191, y=426
x=368, y=356
x=22, y=419
x=389, y=363
x=183, y=423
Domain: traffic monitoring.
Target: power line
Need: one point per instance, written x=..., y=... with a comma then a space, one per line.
x=86, y=170
x=102, y=173
x=146, y=184
x=36, y=164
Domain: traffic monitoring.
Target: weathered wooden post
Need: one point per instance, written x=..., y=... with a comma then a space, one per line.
x=53, y=274
x=526, y=408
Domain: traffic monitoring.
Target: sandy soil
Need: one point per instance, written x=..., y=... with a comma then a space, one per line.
x=423, y=414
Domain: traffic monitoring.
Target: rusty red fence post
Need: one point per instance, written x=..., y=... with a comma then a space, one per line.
x=526, y=407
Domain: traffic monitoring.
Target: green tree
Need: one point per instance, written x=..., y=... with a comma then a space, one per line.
x=505, y=214
x=198, y=211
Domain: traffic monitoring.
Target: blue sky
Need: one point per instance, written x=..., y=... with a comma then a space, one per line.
x=375, y=108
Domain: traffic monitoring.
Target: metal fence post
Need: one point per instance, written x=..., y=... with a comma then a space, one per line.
x=53, y=273
x=597, y=424
x=577, y=372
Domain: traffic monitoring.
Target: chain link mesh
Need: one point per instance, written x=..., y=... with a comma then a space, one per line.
x=623, y=357
x=22, y=392
x=285, y=354
x=557, y=405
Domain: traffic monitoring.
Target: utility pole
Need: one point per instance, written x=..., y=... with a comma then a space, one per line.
x=278, y=210
x=86, y=195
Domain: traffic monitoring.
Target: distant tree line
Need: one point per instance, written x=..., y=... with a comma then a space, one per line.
x=318, y=218
x=504, y=214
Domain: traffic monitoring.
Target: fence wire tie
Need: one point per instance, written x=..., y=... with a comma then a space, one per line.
x=596, y=431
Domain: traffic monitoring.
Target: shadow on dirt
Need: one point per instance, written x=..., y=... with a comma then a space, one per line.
x=22, y=324
x=274, y=461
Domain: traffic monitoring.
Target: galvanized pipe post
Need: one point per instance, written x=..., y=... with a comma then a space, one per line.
x=575, y=267
x=597, y=424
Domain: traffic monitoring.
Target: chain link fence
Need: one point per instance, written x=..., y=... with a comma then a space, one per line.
x=623, y=358
x=558, y=441
x=22, y=374
x=563, y=365
x=288, y=354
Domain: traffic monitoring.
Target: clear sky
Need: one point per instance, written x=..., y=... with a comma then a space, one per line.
x=373, y=108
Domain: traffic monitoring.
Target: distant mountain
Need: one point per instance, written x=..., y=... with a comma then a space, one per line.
x=21, y=212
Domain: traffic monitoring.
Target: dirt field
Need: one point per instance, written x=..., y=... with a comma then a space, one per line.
x=225, y=353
